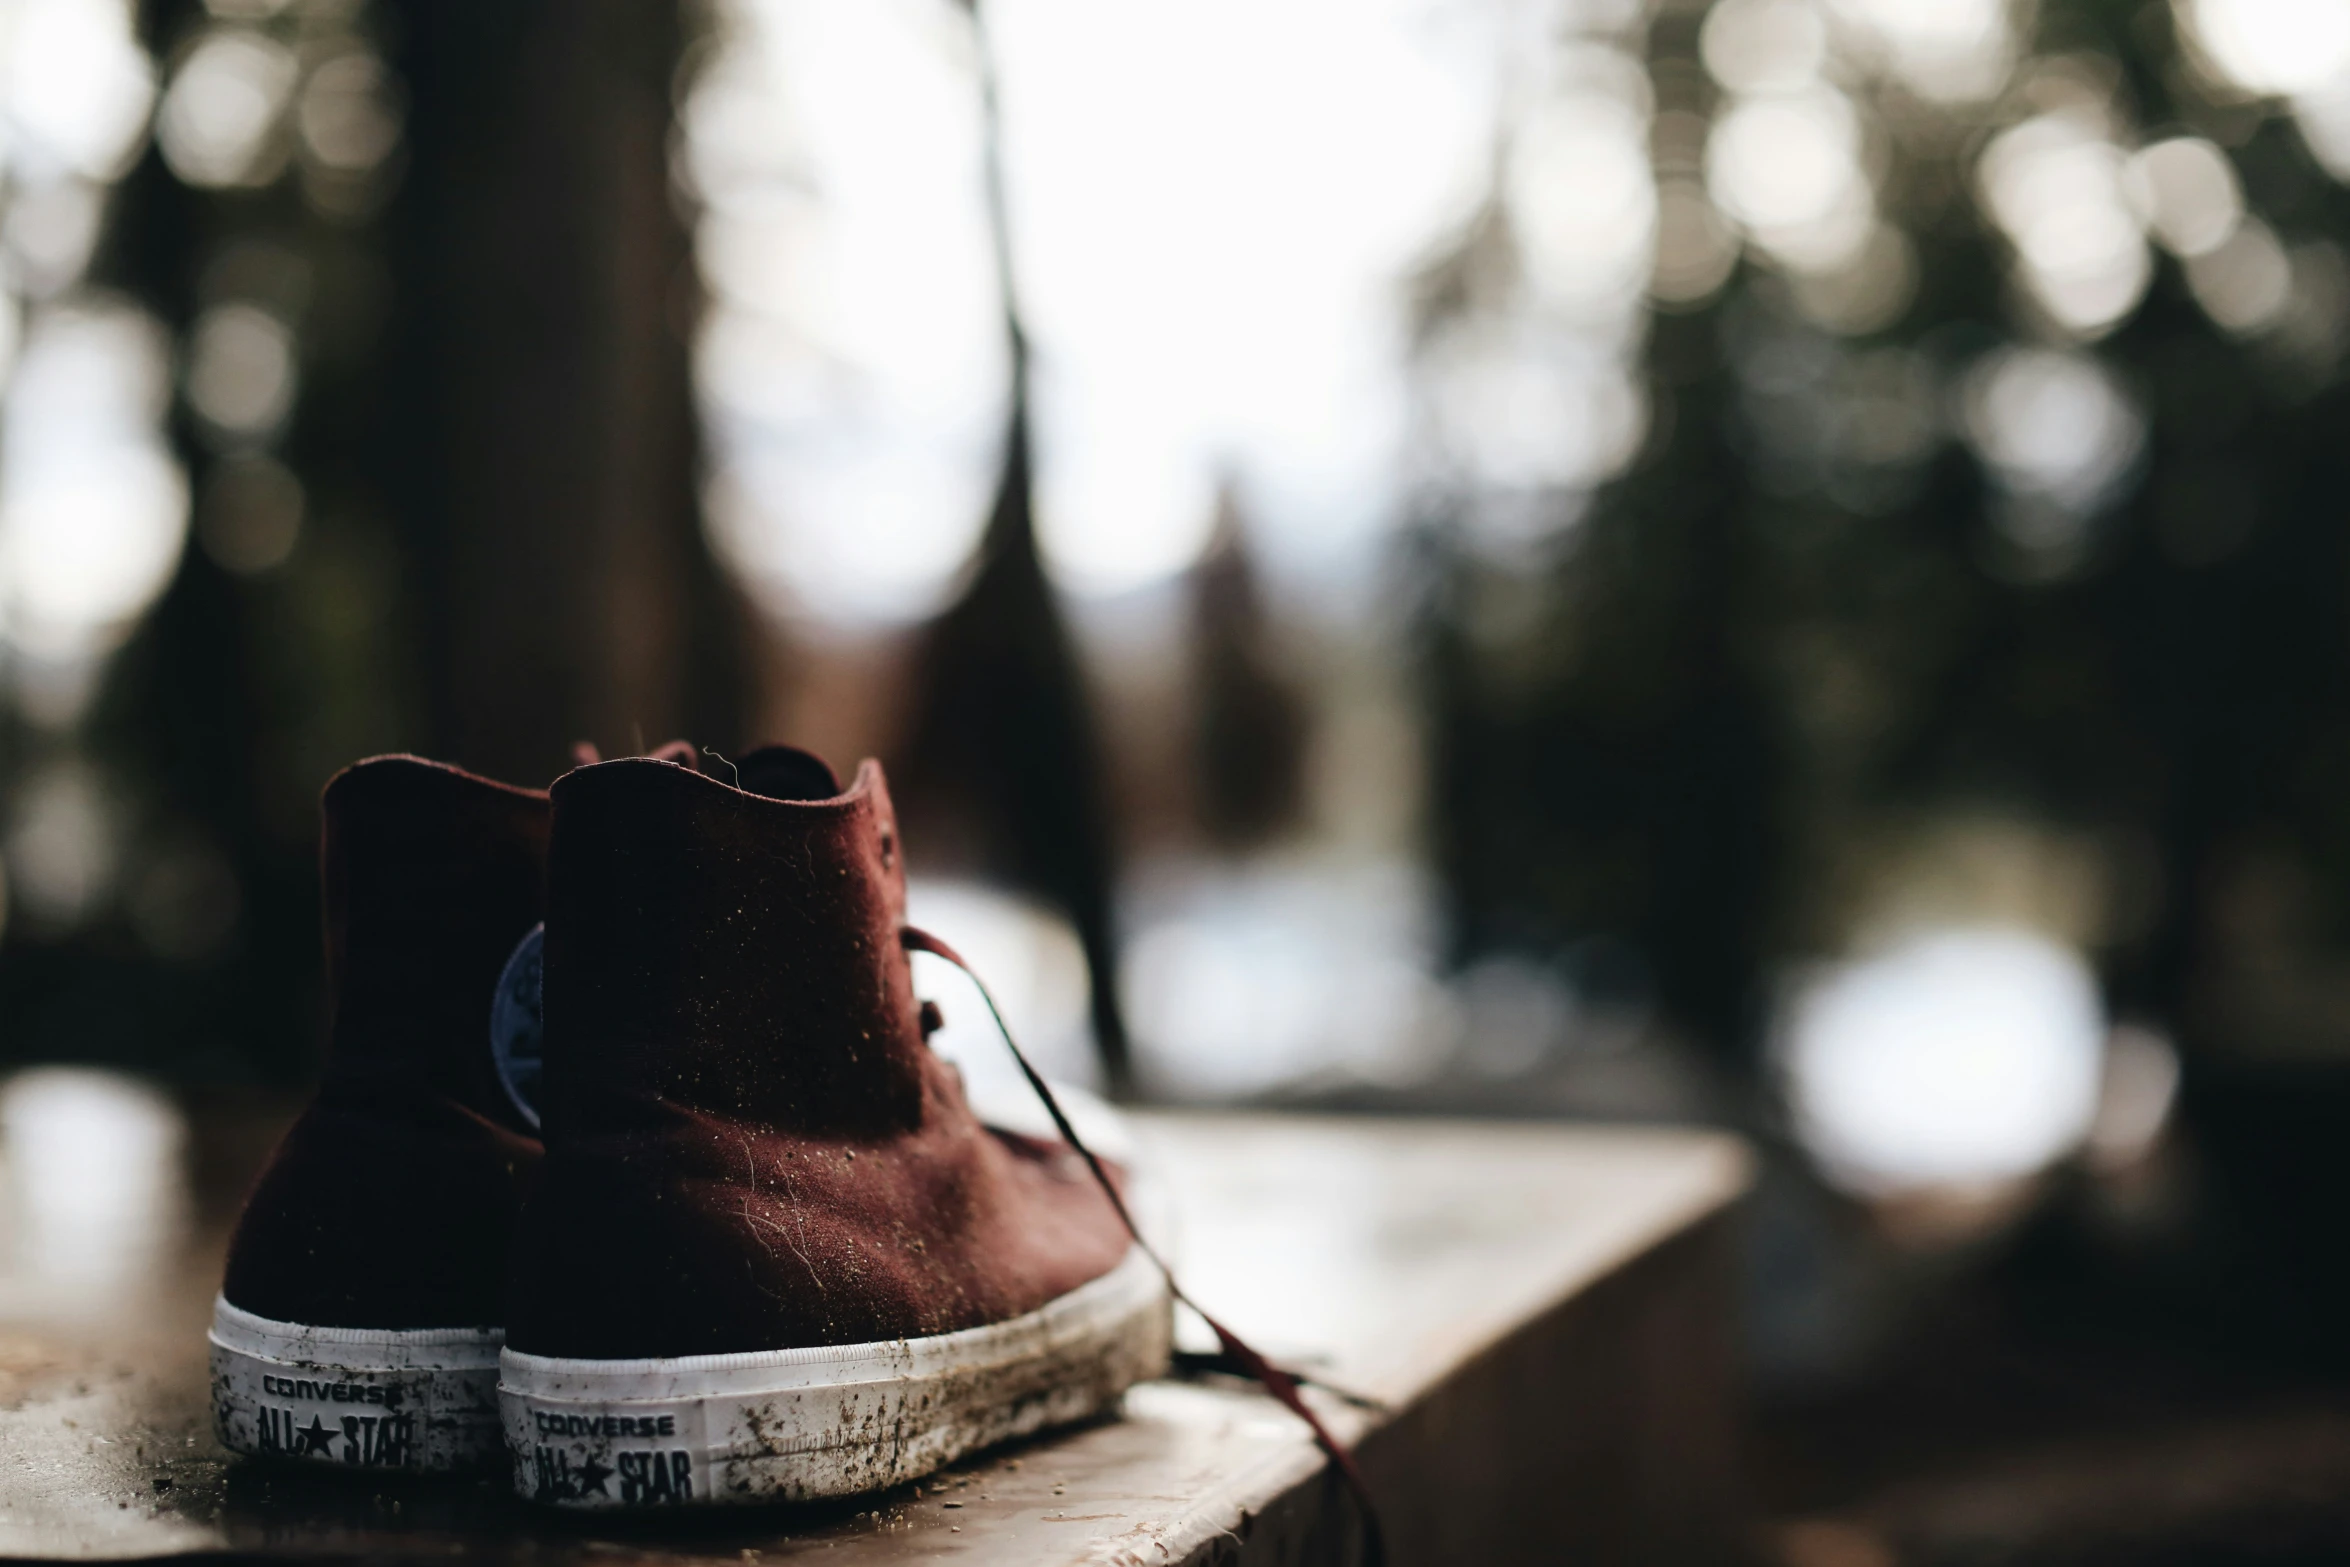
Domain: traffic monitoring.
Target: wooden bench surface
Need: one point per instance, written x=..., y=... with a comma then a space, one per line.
x=1427, y=1265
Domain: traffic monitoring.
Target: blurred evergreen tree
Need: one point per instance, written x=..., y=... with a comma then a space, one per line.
x=1002, y=761
x=1812, y=612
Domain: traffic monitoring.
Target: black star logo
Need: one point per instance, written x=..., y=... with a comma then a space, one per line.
x=592, y=1476
x=317, y=1439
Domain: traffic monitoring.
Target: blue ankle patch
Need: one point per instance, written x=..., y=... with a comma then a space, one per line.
x=518, y=1025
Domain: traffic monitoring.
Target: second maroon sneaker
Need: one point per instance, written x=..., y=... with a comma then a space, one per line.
x=360, y=1319
x=772, y=1255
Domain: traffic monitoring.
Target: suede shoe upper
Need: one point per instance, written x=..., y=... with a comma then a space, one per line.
x=749, y=1144
x=391, y=1201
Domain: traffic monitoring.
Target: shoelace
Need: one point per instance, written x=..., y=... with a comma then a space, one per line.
x=1282, y=1385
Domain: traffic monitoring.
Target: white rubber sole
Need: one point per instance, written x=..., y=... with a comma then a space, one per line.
x=422, y=1401
x=797, y=1424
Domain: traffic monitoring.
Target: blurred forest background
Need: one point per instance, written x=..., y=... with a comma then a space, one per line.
x=1773, y=562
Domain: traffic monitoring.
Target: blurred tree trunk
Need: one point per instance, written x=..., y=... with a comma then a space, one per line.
x=540, y=453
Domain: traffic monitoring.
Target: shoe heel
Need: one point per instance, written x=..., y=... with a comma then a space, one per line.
x=418, y=1401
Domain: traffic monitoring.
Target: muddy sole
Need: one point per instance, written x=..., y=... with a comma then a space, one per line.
x=418, y=1401
x=801, y=1424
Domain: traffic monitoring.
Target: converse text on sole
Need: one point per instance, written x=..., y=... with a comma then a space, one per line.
x=837, y=1420
x=423, y=1400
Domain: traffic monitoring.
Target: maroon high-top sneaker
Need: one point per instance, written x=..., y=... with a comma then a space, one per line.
x=771, y=1254
x=361, y=1317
